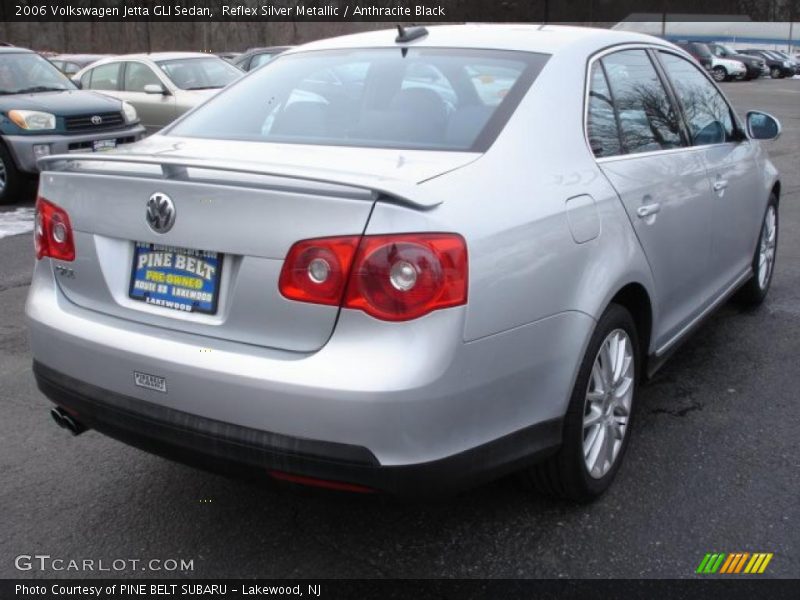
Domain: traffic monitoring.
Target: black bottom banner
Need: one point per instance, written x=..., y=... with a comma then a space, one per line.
x=629, y=589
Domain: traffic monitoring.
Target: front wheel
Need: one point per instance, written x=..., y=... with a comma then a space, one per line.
x=755, y=290
x=598, y=420
x=775, y=72
x=719, y=74
x=11, y=180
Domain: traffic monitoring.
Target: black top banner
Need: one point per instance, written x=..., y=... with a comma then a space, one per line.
x=402, y=11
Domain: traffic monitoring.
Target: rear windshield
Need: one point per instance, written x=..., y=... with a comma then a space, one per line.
x=428, y=99
x=701, y=50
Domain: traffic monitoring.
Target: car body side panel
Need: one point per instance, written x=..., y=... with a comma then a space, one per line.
x=678, y=239
x=525, y=264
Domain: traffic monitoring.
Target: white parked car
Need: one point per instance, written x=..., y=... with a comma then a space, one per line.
x=726, y=69
x=161, y=85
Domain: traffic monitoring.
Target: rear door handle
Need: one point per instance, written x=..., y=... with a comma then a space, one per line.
x=720, y=184
x=647, y=210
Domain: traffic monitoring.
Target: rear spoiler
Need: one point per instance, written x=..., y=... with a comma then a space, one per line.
x=284, y=178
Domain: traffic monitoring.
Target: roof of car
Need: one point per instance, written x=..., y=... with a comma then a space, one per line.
x=268, y=49
x=14, y=50
x=158, y=56
x=80, y=56
x=512, y=36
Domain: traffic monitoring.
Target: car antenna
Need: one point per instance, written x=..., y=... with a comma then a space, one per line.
x=409, y=34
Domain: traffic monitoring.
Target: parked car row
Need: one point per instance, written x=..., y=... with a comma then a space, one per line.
x=727, y=64
x=161, y=85
x=59, y=103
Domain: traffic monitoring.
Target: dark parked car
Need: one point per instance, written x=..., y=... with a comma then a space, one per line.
x=793, y=61
x=69, y=64
x=43, y=113
x=777, y=65
x=255, y=57
x=229, y=56
x=700, y=52
x=754, y=64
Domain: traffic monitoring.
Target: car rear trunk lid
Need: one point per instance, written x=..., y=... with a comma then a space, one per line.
x=244, y=214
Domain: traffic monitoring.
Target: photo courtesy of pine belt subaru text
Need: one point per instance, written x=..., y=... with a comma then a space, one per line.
x=404, y=261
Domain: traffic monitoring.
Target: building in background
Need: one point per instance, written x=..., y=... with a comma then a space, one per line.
x=734, y=29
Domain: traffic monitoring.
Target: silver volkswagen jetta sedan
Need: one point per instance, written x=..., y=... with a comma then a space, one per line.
x=404, y=263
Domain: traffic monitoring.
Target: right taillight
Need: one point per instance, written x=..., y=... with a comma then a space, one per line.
x=52, y=235
x=390, y=277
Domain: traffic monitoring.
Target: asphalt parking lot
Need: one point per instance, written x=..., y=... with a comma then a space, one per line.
x=713, y=466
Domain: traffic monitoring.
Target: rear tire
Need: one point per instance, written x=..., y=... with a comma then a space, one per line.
x=755, y=290
x=11, y=179
x=775, y=72
x=598, y=420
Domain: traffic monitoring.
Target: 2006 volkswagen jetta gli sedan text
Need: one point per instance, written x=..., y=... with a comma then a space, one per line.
x=404, y=262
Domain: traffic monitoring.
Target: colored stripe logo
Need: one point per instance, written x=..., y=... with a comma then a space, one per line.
x=734, y=563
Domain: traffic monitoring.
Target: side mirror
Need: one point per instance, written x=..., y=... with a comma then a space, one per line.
x=762, y=126
x=155, y=88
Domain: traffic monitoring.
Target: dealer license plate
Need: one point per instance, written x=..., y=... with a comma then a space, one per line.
x=176, y=278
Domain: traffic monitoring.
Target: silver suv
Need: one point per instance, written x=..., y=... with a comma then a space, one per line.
x=404, y=263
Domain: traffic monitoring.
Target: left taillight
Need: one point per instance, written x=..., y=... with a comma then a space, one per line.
x=390, y=277
x=52, y=235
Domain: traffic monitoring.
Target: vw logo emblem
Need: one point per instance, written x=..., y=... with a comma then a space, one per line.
x=97, y=120
x=160, y=213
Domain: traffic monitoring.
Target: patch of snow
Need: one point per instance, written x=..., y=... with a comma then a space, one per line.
x=16, y=222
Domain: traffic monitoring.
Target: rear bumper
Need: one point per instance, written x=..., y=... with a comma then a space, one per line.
x=233, y=449
x=21, y=146
x=404, y=398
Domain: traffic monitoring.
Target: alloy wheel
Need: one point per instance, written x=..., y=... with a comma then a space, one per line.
x=2, y=175
x=609, y=398
x=719, y=74
x=766, y=251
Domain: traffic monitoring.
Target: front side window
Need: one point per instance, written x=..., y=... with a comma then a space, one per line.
x=138, y=75
x=648, y=120
x=601, y=124
x=707, y=114
x=105, y=77
x=418, y=98
x=203, y=73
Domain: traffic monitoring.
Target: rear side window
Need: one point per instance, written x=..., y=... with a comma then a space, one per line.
x=601, y=124
x=416, y=98
x=105, y=77
x=708, y=115
x=648, y=120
